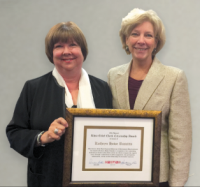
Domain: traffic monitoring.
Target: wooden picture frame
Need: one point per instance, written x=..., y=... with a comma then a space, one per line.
x=77, y=118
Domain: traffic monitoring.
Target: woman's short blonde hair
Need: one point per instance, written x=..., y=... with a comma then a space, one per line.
x=64, y=32
x=138, y=16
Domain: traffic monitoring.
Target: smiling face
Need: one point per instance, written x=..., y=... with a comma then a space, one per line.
x=67, y=57
x=142, y=42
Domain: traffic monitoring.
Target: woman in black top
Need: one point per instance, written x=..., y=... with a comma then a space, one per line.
x=39, y=116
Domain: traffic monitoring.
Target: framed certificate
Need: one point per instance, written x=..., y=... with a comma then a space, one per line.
x=112, y=147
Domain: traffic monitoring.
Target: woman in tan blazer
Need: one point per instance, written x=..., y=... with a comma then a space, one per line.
x=146, y=84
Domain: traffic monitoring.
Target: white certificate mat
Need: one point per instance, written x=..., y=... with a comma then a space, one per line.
x=112, y=149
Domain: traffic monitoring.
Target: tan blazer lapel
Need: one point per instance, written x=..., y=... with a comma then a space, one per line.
x=149, y=85
x=122, y=87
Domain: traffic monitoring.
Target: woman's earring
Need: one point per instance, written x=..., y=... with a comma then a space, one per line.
x=154, y=50
x=126, y=48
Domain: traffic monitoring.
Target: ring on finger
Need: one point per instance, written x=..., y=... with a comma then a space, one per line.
x=56, y=131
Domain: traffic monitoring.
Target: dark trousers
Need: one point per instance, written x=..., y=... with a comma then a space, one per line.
x=164, y=184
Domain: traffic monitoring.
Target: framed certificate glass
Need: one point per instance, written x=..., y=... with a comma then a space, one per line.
x=109, y=147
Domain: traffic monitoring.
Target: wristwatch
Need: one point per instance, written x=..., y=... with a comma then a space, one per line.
x=39, y=143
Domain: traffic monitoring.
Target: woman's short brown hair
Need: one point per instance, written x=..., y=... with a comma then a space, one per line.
x=64, y=32
x=138, y=16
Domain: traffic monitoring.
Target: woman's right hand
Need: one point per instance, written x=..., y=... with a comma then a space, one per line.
x=51, y=135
